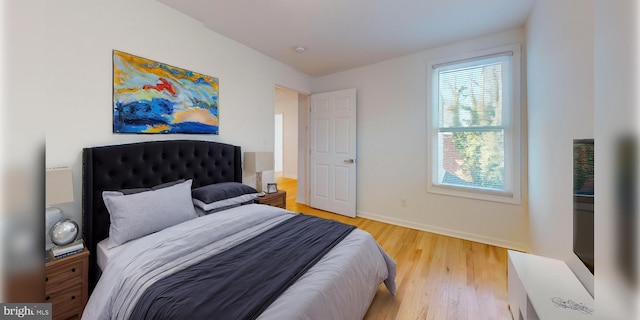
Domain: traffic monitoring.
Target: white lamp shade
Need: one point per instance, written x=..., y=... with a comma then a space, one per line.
x=59, y=186
x=258, y=161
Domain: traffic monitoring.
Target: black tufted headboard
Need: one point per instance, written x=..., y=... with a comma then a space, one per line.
x=147, y=164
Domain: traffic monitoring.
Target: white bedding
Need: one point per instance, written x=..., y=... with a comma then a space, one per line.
x=340, y=286
x=104, y=254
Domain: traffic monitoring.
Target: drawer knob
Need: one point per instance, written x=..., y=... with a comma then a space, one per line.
x=73, y=297
x=73, y=269
x=47, y=298
x=46, y=279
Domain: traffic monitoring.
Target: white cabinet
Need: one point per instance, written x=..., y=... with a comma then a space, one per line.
x=544, y=288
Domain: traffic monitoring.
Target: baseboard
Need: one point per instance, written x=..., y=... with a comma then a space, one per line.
x=294, y=177
x=446, y=232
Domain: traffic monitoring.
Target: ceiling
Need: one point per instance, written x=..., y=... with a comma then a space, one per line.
x=344, y=34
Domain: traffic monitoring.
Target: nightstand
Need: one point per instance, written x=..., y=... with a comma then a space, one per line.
x=278, y=199
x=67, y=285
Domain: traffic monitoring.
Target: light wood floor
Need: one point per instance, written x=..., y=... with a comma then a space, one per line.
x=438, y=277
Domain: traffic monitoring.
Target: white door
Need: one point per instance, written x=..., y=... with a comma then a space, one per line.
x=332, y=164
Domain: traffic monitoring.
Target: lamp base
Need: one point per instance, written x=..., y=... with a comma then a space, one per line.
x=51, y=217
x=259, y=181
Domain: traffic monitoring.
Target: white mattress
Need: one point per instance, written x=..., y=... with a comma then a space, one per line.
x=105, y=254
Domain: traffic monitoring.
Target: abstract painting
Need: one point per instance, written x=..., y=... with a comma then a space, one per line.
x=153, y=97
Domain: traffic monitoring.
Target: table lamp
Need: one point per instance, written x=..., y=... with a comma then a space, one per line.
x=59, y=189
x=257, y=162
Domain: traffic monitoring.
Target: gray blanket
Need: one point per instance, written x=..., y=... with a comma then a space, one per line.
x=242, y=282
x=340, y=286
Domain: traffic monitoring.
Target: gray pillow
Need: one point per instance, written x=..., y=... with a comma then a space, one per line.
x=223, y=194
x=201, y=212
x=136, y=215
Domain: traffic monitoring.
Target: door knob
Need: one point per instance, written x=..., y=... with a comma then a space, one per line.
x=349, y=161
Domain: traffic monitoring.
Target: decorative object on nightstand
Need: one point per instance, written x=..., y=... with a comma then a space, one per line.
x=67, y=285
x=272, y=188
x=257, y=162
x=64, y=232
x=277, y=199
x=58, y=190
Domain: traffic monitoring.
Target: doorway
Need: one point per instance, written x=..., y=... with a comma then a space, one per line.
x=311, y=124
x=291, y=110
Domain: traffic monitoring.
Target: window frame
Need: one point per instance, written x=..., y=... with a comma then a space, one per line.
x=512, y=123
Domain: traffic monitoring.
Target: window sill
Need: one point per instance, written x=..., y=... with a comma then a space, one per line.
x=477, y=194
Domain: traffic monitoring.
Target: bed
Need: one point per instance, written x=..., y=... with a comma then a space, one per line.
x=340, y=283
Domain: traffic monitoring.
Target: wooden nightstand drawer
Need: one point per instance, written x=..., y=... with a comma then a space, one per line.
x=66, y=302
x=62, y=275
x=67, y=285
x=276, y=202
x=278, y=199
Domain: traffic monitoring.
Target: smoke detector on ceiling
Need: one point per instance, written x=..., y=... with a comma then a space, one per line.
x=301, y=49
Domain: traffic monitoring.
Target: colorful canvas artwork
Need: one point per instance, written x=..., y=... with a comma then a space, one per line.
x=153, y=97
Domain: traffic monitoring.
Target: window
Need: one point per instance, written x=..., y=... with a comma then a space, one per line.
x=474, y=128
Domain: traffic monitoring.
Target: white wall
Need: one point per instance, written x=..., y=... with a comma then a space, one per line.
x=81, y=36
x=560, y=109
x=392, y=115
x=287, y=105
x=616, y=112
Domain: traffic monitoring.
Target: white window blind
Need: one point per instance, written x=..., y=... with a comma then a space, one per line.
x=473, y=130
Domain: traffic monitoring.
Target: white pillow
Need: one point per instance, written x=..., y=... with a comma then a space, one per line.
x=139, y=214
